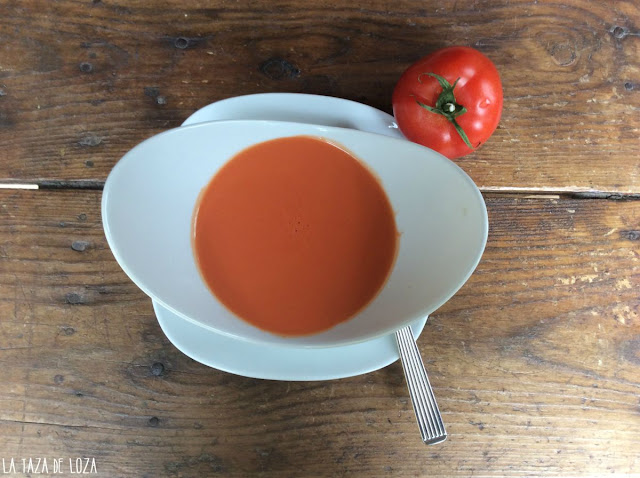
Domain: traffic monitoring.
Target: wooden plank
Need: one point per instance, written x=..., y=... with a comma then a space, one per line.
x=83, y=82
x=535, y=362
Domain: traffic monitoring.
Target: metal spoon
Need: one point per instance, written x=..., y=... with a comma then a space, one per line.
x=424, y=402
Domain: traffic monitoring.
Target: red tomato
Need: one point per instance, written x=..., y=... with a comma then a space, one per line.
x=452, y=92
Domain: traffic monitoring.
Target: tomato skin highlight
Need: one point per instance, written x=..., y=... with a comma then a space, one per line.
x=479, y=90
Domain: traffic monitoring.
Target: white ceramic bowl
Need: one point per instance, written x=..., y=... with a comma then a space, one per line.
x=150, y=195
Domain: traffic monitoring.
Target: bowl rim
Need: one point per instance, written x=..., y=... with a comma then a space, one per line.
x=128, y=156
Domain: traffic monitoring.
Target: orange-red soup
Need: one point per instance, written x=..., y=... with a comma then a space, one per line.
x=294, y=235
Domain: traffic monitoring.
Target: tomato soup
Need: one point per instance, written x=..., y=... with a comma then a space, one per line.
x=294, y=235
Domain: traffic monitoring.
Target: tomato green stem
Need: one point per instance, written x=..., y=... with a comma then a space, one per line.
x=446, y=105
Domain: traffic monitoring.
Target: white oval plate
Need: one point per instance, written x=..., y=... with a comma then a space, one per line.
x=265, y=361
x=299, y=108
x=274, y=362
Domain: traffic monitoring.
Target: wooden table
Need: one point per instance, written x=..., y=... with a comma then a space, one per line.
x=535, y=362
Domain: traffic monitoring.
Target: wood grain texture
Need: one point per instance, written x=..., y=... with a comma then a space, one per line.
x=81, y=82
x=535, y=362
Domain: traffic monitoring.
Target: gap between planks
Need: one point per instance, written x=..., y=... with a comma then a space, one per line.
x=524, y=192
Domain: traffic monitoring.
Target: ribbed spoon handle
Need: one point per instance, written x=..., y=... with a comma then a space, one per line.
x=424, y=402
